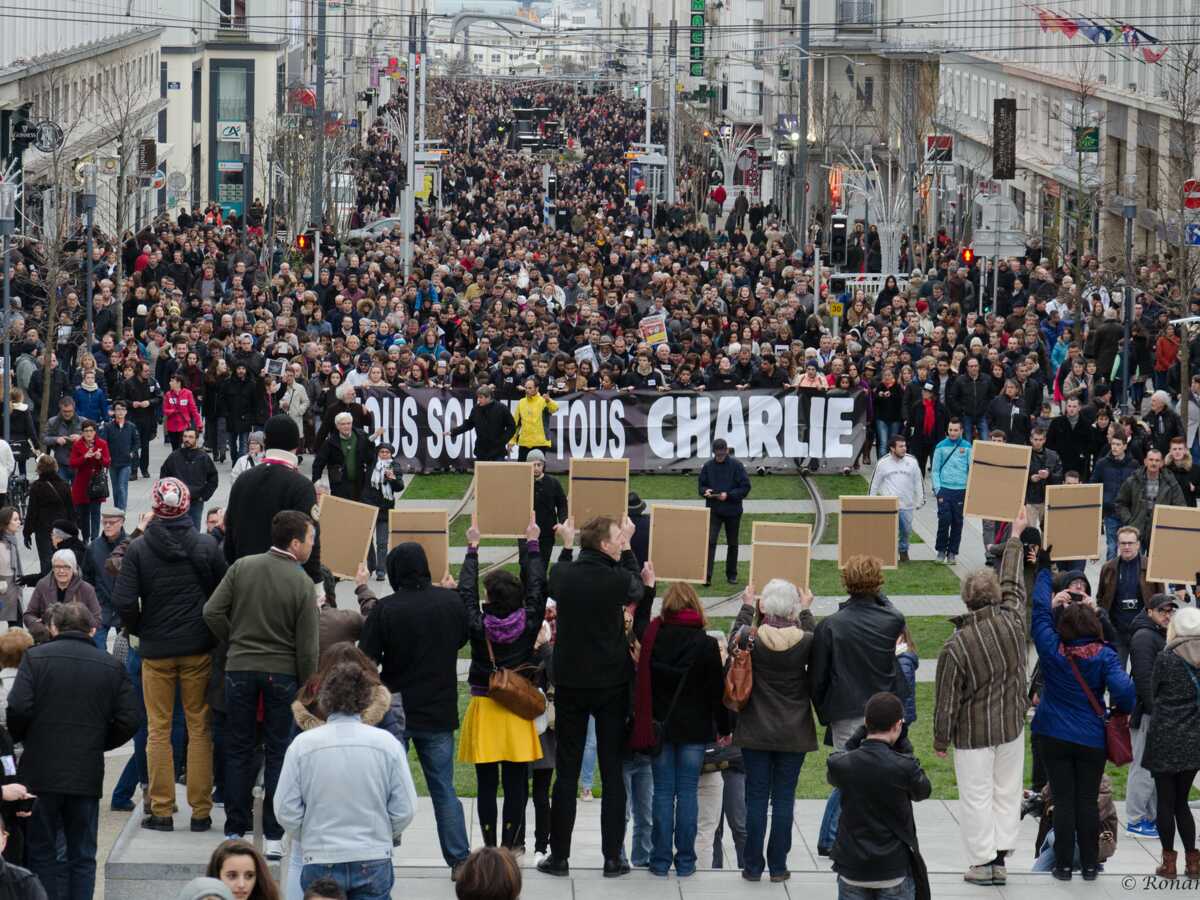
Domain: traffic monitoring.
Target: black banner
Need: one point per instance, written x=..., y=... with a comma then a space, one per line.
x=657, y=432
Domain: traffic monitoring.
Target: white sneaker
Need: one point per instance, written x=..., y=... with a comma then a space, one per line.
x=273, y=849
x=538, y=857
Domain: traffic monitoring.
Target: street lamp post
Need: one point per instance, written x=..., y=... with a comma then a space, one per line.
x=247, y=181
x=89, y=213
x=8, y=218
x=1129, y=210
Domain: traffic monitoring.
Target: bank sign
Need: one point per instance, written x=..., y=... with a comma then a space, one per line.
x=230, y=131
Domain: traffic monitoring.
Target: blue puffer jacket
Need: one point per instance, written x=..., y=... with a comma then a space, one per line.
x=1064, y=711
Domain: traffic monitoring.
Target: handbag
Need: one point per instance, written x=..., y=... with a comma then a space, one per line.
x=514, y=691
x=739, y=675
x=97, y=488
x=1118, y=743
x=658, y=727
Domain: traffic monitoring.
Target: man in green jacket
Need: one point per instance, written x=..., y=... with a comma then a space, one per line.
x=1145, y=489
x=266, y=610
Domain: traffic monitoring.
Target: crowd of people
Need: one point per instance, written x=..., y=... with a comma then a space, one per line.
x=207, y=635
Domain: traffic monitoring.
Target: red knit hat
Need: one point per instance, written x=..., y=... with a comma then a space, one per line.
x=170, y=498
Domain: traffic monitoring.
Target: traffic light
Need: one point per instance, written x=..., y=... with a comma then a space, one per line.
x=306, y=243
x=837, y=239
x=967, y=257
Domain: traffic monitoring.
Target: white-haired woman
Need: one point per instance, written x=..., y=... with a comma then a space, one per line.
x=255, y=445
x=1164, y=423
x=62, y=585
x=775, y=728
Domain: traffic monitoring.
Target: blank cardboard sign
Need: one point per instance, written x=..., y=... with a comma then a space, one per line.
x=503, y=498
x=869, y=526
x=598, y=487
x=1071, y=526
x=346, y=532
x=780, y=550
x=1174, y=545
x=996, y=481
x=679, y=543
x=428, y=527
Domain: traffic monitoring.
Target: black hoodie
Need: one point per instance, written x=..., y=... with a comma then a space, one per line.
x=165, y=580
x=1146, y=640
x=415, y=634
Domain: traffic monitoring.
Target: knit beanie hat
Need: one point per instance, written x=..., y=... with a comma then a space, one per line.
x=170, y=498
x=281, y=433
x=1187, y=622
x=536, y=455
x=203, y=888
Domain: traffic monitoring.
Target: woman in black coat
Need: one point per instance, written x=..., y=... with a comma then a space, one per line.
x=927, y=421
x=503, y=631
x=680, y=683
x=243, y=403
x=49, y=501
x=1172, y=753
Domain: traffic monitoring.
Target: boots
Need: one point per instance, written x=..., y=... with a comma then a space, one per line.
x=1167, y=869
x=1191, y=863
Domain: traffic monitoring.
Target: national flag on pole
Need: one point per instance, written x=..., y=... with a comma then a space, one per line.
x=1067, y=26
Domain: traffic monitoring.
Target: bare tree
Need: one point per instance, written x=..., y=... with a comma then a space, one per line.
x=1081, y=113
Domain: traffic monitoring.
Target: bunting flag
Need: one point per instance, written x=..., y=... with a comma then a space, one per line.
x=1067, y=26
x=1094, y=31
x=1103, y=32
x=1149, y=54
x=1047, y=19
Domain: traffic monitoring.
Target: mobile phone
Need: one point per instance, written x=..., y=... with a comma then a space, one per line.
x=1076, y=597
x=25, y=805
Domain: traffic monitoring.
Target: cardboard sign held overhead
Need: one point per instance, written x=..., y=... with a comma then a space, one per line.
x=1071, y=527
x=869, y=526
x=1174, y=545
x=597, y=487
x=347, y=529
x=503, y=498
x=679, y=543
x=997, y=479
x=780, y=550
x=428, y=527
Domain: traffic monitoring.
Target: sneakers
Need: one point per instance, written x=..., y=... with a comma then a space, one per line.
x=941, y=557
x=234, y=836
x=1142, y=828
x=951, y=559
x=586, y=795
x=273, y=849
x=979, y=875
x=903, y=556
x=999, y=875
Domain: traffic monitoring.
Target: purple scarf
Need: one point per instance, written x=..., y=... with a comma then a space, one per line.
x=506, y=630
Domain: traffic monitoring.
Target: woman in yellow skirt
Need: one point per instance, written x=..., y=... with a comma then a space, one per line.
x=500, y=743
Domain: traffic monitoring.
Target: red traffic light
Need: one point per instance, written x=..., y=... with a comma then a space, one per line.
x=968, y=256
x=303, y=241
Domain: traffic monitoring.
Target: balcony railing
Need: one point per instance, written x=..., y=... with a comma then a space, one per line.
x=856, y=15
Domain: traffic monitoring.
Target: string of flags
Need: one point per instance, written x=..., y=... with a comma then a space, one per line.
x=1104, y=32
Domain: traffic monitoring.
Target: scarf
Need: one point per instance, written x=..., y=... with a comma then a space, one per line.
x=381, y=484
x=930, y=417
x=504, y=630
x=14, y=557
x=643, y=701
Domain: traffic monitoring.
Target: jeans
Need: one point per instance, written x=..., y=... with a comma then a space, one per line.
x=435, y=750
x=587, y=768
x=162, y=680
x=639, y=794
x=905, y=890
x=883, y=433
x=731, y=524
x=676, y=778
x=119, y=476
x=840, y=732
x=238, y=444
x=379, y=551
x=1112, y=524
x=573, y=705
x=360, y=880
x=950, y=519
x=770, y=778
x=76, y=819
x=242, y=692
x=906, y=517
x=88, y=515
x=196, y=511
x=969, y=423
x=136, y=771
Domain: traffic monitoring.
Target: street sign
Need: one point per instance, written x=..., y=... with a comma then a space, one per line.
x=1087, y=139
x=147, y=156
x=177, y=181
x=836, y=308
x=25, y=132
x=1004, y=138
x=939, y=148
x=49, y=136
x=173, y=86
x=1193, y=233
x=1191, y=193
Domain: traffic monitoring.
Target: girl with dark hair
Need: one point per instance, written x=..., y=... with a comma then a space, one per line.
x=500, y=743
x=243, y=870
x=489, y=874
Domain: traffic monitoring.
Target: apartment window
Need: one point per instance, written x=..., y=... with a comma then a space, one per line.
x=866, y=93
x=495, y=57
x=756, y=88
x=757, y=26
x=233, y=14
x=196, y=91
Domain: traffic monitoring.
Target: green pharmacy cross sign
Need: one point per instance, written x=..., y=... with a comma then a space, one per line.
x=696, y=69
x=697, y=38
x=1087, y=139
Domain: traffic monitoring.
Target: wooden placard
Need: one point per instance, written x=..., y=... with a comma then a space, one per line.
x=869, y=526
x=428, y=527
x=1071, y=526
x=503, y=498
x=597, y=487
x=347, y=529
x=780, y=550
x=679, y=543
x=1174, y=545
x=997, y=479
